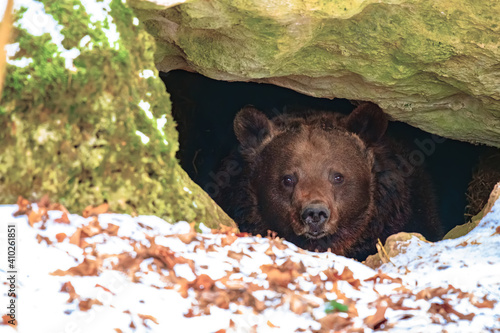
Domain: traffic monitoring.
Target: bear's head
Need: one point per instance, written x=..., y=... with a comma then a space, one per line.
x=311, y=175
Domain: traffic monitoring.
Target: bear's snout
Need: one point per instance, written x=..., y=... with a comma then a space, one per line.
x=315, y=215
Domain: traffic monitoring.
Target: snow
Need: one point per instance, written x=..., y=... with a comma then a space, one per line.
x=157, y=277
x=145, y=106
x=471, y=261
x=144, y=137
x=37, y=22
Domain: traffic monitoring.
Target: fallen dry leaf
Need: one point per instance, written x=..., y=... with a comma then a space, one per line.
x=63, y=219
x=380, y=277
x=236, y=255
x=145, y=317
x=429, y=293
x=67, y=287
x=95, y=210
x=335, y=322
x=299, y=304
x=446, y=309
x=376, y=320
x=188, y=237
x=41, y=238
x=6, y=319
x=203, y=282
x=86, y=304
x=76, y=237
x=348, y=276
x=60, y=237
x=104, y=288
x=88, y=267
x=228, y=240
x=91, y=229
x=490, y=304
x=112, y=229
x=191, y=314
x=24, y=206
x=34, y=217
x=275, y=276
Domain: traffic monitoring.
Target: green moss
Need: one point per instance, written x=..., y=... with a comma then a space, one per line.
x=76, y=134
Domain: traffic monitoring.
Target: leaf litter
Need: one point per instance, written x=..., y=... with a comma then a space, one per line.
x=141, y=274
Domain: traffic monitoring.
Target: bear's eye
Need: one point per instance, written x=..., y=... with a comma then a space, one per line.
x=337, y=178
x=289, y=180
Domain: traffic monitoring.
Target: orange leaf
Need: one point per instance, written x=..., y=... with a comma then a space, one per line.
x=34, y=217
x=271, y=325
x=76, y=237
x=87, y=268
x=86, y=304
x=348, y=276
x=228, y=240
x=60, y=237
x=24, y=206
x=275, y=276
x=445, y=309
x=381, y=277
x=485, y=303
x=41, y=238
x=67, y=287
x=188, y=237
x=335, y=322
x=63, y=219
x=144, y=317
x=91, y=229
x=94, y=211
x=104, y=288
x=203, y=282
x=191, y=314
x=7, y=320
x=374, y=321
x=112, y=229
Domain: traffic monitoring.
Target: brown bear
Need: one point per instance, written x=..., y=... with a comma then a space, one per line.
x=323, y=180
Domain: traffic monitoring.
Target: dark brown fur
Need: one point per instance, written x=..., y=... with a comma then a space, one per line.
x=378, y=195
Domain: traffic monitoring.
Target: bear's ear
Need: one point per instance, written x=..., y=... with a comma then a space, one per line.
x=368, y=121
x=252, y=127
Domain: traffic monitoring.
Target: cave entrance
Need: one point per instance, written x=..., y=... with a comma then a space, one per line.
x=204, y=110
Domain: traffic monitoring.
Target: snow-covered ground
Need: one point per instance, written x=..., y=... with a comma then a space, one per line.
x=117, y=273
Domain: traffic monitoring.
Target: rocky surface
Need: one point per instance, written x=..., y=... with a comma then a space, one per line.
x=431, y=64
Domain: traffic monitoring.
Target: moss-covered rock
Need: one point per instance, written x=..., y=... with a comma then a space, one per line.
x=86, y=119
x=394, y=245
x=465, y=228
x=431, y=64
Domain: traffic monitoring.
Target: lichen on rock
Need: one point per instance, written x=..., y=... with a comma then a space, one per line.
x=86, y=118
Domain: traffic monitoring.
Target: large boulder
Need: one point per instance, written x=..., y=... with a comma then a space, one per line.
x=432, y=64
x=86, y=119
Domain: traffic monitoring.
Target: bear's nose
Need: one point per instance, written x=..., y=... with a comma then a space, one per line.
x=315, y=214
